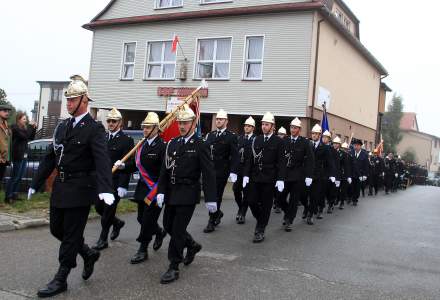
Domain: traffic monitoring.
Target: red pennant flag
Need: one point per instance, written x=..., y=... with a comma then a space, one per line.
x=175, y=42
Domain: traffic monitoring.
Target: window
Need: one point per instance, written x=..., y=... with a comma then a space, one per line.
x=168, y=3
x=161, y=61
x=253, y=63
x=128, y=61
x=213, y=1
x=56, y=94
x=213, y=58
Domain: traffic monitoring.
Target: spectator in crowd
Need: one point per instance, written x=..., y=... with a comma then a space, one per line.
x=5, y=137
x=22, y=133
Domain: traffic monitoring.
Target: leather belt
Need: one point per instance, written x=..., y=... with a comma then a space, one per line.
x=63, y=176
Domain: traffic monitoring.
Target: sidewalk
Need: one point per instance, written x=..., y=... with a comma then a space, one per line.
x=10, y=222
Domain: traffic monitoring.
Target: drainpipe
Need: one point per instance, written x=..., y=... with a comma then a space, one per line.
x=318, y=32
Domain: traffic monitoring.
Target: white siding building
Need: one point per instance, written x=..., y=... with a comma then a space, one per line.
x=278, y=56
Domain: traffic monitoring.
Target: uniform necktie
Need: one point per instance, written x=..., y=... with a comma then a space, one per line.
x=70, y=126
x=218, y=133
x=110, y=137
x=265, y=139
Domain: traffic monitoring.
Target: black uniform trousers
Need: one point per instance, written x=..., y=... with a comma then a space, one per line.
x=317, y=196
x=296, y=190
x=241, y=196
x=374, y=183
x=342, y=191
x=357, y=185
x=260, y=202
x=108, y=215
x=147, y=217
x=67, y=225
x=388, y=182
x=220, y=186
x=330, y=193
x=176, y=219
x=321, y=197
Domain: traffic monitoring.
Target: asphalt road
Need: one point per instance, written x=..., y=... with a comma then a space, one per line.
x=385, y=248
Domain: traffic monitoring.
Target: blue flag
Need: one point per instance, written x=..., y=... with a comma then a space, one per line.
x=324, y=123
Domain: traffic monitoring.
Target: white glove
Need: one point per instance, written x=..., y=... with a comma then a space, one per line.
x=245, y=181
x=395, y=175
x=364, y=178
x=332, y=179
x=383, y=174
x=360, y=179
x=31, y=191
x=211, y=206
x=279, y=185
x=107, y=197
x=119, y=164
x=349, y=180
x=337, y=183
x=160, y=199
x=309, y=181
x=233, y=177
x=122, y=192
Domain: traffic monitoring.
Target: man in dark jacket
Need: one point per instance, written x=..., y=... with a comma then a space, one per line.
x=332, y=174
x=390, y=172
x=118, y=144
x=300, y=161
x=5, y=137
x=224, y=152
x=264, y=171
x=244, y=151
x=376, y=173
x=343, y=180
x=83, y=167
x=186, y=159
x=360, y=169
x=148, y=161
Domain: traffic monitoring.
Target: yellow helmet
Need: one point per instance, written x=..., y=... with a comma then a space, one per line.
x=114, y=114
x=77, y=87
x=337, y=140
x=185, y=114
x=221, y=114
x=282, y=130
x=296, y=122
x=327, y=134
x=316, y=129
x=269, y=118
x=250, y=121
x=151, y=119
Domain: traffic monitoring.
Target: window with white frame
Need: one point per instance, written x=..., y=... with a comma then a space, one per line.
x=161, y=61
x=168, y=3
x=128, y=61
x=213, y=58
x=253, y=63
x=213, y=1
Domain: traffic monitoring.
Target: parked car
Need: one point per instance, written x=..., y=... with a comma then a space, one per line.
x=38, y=149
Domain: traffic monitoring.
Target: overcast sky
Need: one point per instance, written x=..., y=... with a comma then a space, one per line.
x=43, y=40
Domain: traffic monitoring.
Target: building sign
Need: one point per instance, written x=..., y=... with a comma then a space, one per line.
x=172, y=103
x=324, y=96
x=180, y=91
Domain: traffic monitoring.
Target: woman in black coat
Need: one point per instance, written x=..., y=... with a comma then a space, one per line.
x=21, y=134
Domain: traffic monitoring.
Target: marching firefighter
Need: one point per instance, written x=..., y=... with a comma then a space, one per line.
x=186, y=159
x=323, y=171
x=376, y=173
x=264, y=170
x=360, y=169
x=299, y=171
x=332, y=174
x=118, y=144
x=282, y=134
x=148, y=162
x=79, y=155
x=390, y=172
x=224, y=152
x=244, y=150
x=343, y=177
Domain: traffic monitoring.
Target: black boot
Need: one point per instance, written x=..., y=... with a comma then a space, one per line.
x=159, y=239
x=57, y=285
x=218, y=218
x=341, y=205
x=169, y=276
x=210, y=227
x=116, y=229
x=310, y=219
x=319, y=217
x=191, y=253
x=288, y=226
x=90, y=257
x=141, y=255
x=101, y=244
x=241, y=220
x=304, y=215
x=330, y=209
x=259, y=236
